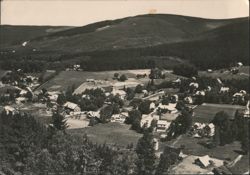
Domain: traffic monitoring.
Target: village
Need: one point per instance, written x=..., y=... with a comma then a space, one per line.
x=148, y=100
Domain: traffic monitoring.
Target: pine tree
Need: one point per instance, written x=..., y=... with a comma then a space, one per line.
x=59, y=121
x=146, y=154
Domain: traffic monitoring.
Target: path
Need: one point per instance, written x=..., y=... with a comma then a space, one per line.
x=178, y=138
x=231, y=164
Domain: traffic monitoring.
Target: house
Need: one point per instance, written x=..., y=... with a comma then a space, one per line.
x=23, y=92
x=194, y=85
x=121, y=93
x=145, y=92
x=118, y=118
x=177, y=81
x=72, y=107
x=209, y=70
x=20, y=100
x=208, y=88
x=162, y=125
x=224, y=89
x=203, y=161
x=212, y=129
x=239, y=64
x=93, y=114
x=170, y=107
x=188, y=100
x=90, y=80
x=202, y=93
x=124, y=114
x=9, y=109
x=152, y=106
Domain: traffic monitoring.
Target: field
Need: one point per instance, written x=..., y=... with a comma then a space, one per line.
x=66, y=79
x=110, y=133
x=225, y=74
x=192, y=147
x=206, y=112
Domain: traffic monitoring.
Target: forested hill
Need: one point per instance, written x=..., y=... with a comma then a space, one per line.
x=16, y=35
x=136, y=42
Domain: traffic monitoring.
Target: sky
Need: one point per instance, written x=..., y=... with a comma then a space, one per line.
x=82, y=12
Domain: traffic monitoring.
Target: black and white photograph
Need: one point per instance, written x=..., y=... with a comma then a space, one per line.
x=124, y=87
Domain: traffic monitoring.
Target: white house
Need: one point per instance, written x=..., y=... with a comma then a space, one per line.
x=72, y=107
x=195, y=85
x=188, y=100
x=152, y=105
x=209, y=70
x=162, y=125
x=239, y=64
x=224, y=89
x=212, y=129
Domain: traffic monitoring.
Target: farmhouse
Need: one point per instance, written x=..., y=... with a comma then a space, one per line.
x=9, y=109
x=71, y=107
x=121, y=93
x=203, y=161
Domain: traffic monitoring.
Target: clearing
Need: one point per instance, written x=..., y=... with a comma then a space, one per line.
x=226, y=74
x=206, y=112
x=110, y=133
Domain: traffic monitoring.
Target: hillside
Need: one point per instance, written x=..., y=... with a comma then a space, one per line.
x=131, y=32
x=142, y=42
x=16, y=35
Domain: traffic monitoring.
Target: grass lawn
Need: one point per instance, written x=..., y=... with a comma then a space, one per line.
x=110, y=133
x=220, y=152
x=206, y=112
